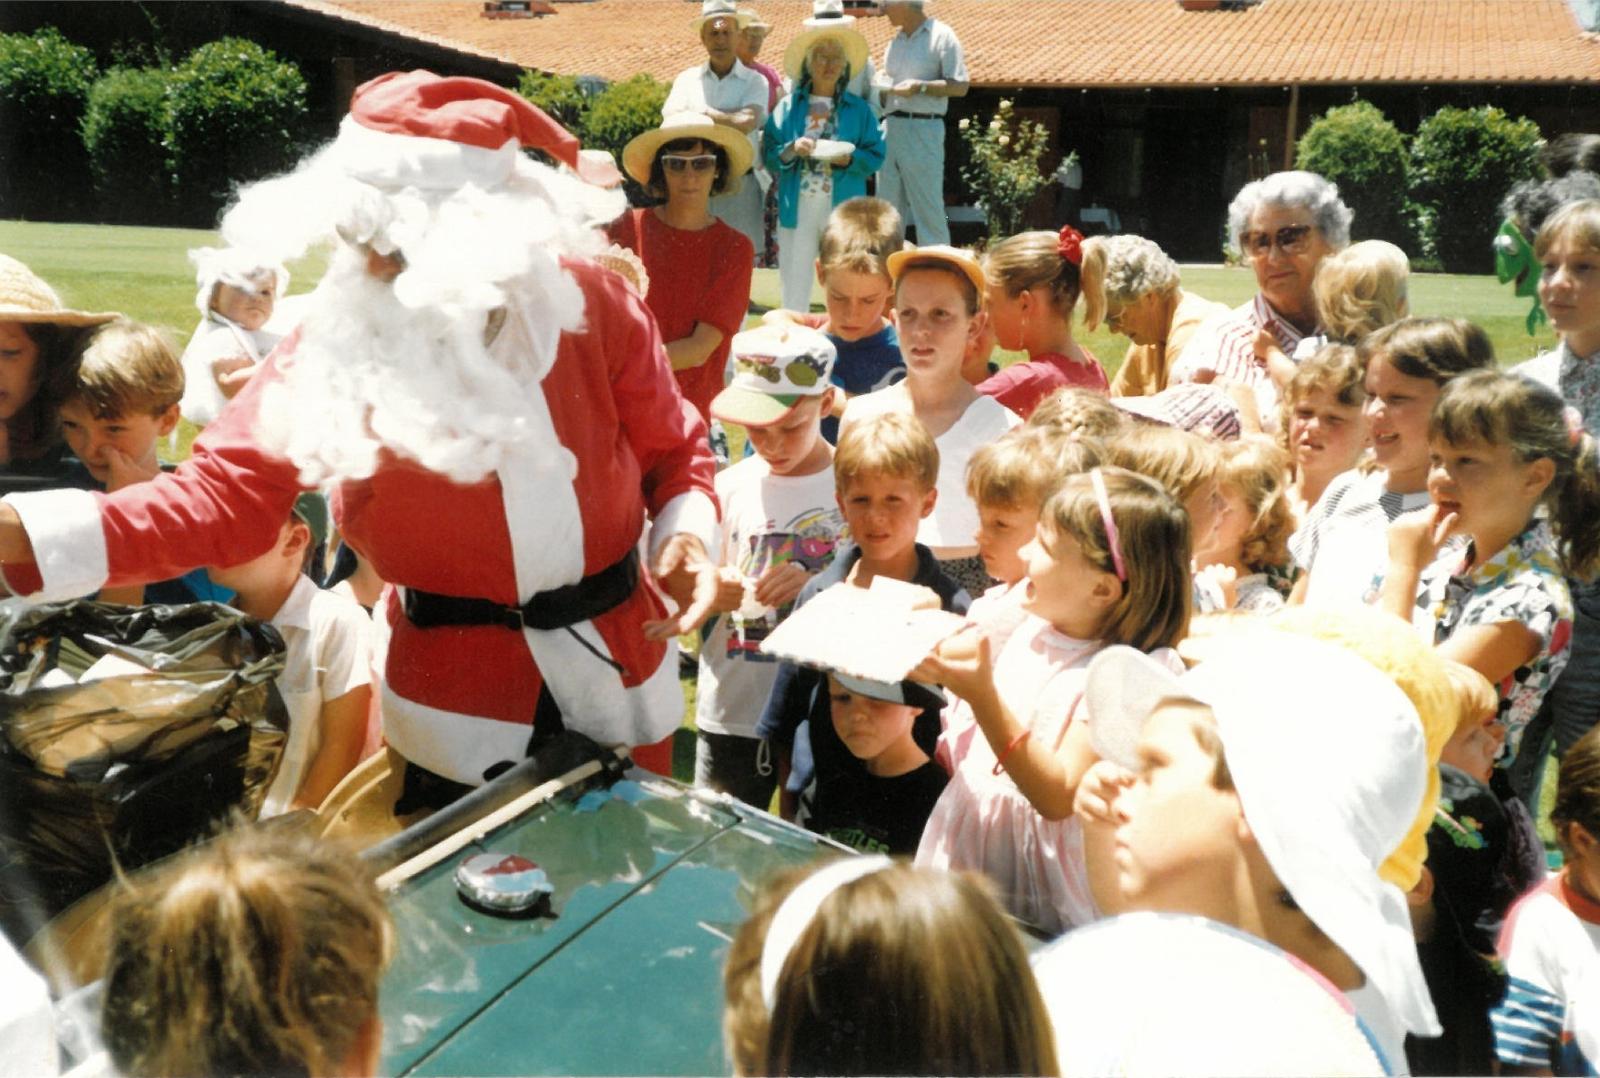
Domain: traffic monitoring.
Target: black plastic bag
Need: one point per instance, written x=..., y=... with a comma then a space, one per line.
x=131, y=766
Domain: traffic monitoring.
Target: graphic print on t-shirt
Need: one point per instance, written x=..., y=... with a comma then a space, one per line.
x=809, y=539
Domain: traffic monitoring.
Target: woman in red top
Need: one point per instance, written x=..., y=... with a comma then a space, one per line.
x=699, y=267
x=1035, y=279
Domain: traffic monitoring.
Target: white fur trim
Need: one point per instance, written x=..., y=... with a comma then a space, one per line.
x=69, y=543
x=459, y=747
x=690, y=513
x=390, y=161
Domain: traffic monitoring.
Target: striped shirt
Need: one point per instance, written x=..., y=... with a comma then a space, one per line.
x=1225, y=347
x=1345, y=538
x=1551, y=948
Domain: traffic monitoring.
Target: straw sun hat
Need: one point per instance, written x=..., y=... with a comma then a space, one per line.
x=840, y=27
x=640, y=154
x=24, y=297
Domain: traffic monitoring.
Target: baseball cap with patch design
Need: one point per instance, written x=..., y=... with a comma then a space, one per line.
x=774, y=368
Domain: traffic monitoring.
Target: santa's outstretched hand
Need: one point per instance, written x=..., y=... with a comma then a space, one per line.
x=687, y=576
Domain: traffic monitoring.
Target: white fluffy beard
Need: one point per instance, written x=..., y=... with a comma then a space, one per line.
x=404, y=366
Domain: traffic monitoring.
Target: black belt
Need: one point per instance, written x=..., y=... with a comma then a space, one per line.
x=916, y=115
x=558, y=608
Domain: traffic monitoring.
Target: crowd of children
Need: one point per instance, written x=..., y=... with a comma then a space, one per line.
x=1055, y=758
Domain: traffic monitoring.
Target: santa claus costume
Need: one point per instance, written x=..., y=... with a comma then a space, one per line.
x=495, y=417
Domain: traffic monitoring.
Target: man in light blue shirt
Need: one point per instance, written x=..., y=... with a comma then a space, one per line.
x=922, y=68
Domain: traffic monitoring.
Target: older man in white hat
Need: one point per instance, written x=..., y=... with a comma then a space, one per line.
x=493, y=412
x=731, y=94
x=923, y=68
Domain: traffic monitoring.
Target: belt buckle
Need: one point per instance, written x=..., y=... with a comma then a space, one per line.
x=511, y=618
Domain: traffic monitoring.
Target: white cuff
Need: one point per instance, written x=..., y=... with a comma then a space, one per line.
x=69, y=543
x=690, y=513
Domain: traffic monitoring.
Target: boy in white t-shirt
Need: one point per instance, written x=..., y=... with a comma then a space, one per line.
x=780, y=524
x=326, y=682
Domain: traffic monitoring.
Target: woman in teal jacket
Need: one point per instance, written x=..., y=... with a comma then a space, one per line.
x=802, y=147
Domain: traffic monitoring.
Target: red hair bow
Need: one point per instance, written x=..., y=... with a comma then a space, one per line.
x=1070, y=246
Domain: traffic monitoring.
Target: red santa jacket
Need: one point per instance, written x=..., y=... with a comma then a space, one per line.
x=455, y=700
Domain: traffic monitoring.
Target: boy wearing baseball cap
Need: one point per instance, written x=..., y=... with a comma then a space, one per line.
x=780, y=523
x=1265, y=789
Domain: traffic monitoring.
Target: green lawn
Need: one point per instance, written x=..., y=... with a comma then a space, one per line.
x=145, y=273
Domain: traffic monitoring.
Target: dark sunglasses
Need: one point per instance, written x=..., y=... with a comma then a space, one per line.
x=700, y=162
x=1292, y=240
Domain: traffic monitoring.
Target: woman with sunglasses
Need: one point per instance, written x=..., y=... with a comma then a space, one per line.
x=1283, y=227
x=698, y=266
x=821, y=142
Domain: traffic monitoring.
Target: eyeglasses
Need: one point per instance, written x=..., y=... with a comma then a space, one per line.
x=1292, y=240
x=700, y=162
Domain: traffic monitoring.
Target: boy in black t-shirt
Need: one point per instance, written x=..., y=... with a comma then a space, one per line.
x=878, y=798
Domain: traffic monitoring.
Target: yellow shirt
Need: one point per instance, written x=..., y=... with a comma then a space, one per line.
x=1144, y=368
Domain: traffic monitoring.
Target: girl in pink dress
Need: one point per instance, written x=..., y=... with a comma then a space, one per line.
x=1108, y=565
x=1034, y=281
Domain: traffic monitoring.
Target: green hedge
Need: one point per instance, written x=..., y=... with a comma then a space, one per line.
x=124, y=128
x=561, y=96
x=44, y=85
x=1357, y=148
x=237, y=113
x=1463, y=161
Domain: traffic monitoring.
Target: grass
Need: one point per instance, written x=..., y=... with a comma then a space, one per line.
x=145, y=273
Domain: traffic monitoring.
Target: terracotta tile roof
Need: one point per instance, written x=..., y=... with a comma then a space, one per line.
x=1069, y=43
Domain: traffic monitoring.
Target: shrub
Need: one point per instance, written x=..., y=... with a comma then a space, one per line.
x=238, y=113
x=1357, y=148
x=1462, y=163
x=44, y=83
x=1002, y=169
x=124, y=130
x=561, y=96
x=620, y=112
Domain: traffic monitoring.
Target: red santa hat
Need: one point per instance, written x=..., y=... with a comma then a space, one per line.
x=418, y=129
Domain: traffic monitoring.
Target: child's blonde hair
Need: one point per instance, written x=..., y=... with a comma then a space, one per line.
x=893, y=444
x=257, y=953
x=1072, y=410
x=860, y=235
x=1577, y=223
x=1437, y=349
x=1336, y=370
x=1181, y=461
x=128, y=368
x=1495, y=408
x=1153, y=538
x=1033, y=259
x=1025, y=465
x=903, y=970
x=1258, y=470
x=1361, y=288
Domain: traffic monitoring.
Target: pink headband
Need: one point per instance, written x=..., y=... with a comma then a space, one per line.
x=1070, y=245
x=1110, y=523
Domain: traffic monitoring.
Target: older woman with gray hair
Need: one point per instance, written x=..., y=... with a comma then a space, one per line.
x=1283, y=226
x=1145, y=304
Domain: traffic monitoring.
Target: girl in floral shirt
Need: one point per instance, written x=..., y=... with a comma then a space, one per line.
x=1515, y=488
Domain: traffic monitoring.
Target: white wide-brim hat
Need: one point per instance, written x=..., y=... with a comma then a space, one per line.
x=856, y=50
x=640, y=154
x=719, y=9
x=1330, y=763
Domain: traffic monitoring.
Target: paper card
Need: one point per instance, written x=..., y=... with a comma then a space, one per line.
x=878, y=633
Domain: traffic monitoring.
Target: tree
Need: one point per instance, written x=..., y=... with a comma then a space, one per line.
x=1357, y=148
x=124, y=131
x=561, y=96
x=1462, y=163
x=44, y=84
x=238, y=113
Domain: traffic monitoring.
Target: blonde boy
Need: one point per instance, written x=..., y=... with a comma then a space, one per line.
x=123, y=401
x=853, y=269
x=780, y=525
x=326, y=682
x=885, y=471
